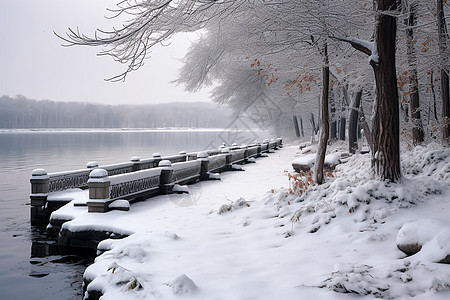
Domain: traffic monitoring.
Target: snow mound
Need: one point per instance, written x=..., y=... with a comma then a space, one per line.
x=389, y=281
x=180, y=189
x=120, y=205
x=233, y=205
x=183, y=285
x=356, y=279
x=354, y=192
x=428, y=238
x=433, y=161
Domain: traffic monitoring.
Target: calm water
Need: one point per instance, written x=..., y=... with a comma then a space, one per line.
x=29, y=268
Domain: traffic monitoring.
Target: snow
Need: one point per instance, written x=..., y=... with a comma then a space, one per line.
x=180, y=189
x=39, y=174
x=433, y=238
x=98, y=175
x=202, y=154
x=135, y=159
x=309, y=160
x=183, y=285
x=165, y=163
x=120, y=204
x=116, y=179
x=248, y=236
x=91, y=164
x=214, y=176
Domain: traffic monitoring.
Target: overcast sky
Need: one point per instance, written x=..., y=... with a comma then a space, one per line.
x=34, y=64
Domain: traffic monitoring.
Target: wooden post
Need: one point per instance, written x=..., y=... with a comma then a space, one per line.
x=98, y=185
x=39, y=191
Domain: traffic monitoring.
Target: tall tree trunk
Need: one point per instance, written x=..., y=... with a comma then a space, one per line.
x=342, y=125
x=301, y=127
x=324, y=130
x=416, y=121
x=333, y=127
x=386, y=136
x=434, y=96
x=443, y=53
x=297, y=129
x=353, y=123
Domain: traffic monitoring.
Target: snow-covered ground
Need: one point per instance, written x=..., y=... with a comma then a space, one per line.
x=249, y=236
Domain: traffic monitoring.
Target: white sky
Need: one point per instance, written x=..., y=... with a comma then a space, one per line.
x=34, y=64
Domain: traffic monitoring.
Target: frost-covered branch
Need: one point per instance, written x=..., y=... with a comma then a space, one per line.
x=150, y=23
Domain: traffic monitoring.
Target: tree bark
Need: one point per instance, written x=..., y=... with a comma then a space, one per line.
x=324, y=131
x=342, y=124
x=386, y=158
x=333, y=127
x=301, y=127
x=443, y=53
x=414, y=104
x=353, y=123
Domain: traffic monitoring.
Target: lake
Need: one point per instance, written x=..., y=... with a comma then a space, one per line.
x=31, y=267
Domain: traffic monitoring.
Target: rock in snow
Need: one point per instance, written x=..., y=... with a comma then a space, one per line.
x=427, y=238
x=183, y=285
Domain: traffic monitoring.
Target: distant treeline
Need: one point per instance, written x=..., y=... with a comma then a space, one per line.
x=20, y=112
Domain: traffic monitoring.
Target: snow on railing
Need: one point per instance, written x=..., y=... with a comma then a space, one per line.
x=138, y=177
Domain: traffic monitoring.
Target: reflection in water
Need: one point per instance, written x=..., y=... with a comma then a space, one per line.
x=48, y=272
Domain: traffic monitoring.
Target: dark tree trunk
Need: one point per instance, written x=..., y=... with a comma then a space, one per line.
x=386, y=158
x=342, y=124
x=301, y=127
x=297, y=130
x=434, y=96
x=367, y=132
x=333, y=127
x=416, y=121
x=324, y=131
x=313, y=124
x=353, y=123
x=443, y=37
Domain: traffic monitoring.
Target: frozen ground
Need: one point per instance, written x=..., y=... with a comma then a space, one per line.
x=258, y=235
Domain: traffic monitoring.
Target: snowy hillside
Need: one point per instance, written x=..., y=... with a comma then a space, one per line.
x=255, y=235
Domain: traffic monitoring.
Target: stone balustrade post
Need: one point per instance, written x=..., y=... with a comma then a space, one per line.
x=39, y=192
x=157, y=158
x=279, y=142
x=98, y=184
x=227, y=158
x=245, y=155
x=136, y=163
x=166, y=179
x=92, y=165
x=184, y=154
x=204, y=167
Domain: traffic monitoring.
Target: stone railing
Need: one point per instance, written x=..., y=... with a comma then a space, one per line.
x=217, y=163
x=104, y=189
x=137, y=178
x=186, y=171
x=237, y=156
